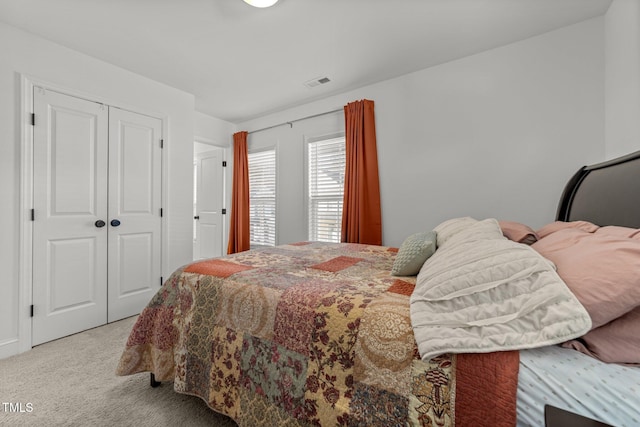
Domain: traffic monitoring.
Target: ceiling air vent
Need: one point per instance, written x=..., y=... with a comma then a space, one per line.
x=317, y=82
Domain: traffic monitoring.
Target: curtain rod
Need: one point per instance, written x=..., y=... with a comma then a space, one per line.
x=291, y=122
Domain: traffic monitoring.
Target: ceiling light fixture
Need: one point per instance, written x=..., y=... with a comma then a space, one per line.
x=261, y=3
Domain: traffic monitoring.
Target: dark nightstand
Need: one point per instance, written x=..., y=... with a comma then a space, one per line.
x=556, y=417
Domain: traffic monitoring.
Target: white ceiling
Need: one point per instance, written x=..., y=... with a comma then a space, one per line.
x=241, y=62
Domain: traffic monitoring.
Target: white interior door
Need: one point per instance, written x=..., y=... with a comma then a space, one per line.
x=135, y=201
x=97, y=214
x=70, y=200
x=209, y=204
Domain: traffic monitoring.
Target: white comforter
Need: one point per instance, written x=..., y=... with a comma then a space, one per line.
x=481, y=292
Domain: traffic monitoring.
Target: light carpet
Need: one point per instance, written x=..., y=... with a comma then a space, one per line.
x=72, y=382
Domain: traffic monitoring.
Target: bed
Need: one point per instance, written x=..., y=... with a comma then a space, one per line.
x=312, y=333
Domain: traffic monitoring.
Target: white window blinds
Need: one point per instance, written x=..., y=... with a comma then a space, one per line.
x=326, y=160
x=262, y=198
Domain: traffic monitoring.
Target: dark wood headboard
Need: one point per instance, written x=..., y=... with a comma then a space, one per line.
x=607, y=193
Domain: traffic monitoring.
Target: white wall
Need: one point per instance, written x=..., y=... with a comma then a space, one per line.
x=622, y=38
x=24, y=54
x=213, y=130
x=496, y=134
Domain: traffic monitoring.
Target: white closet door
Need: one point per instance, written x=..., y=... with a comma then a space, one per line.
x=209, y=204
x=70, y=200
x=135, y=164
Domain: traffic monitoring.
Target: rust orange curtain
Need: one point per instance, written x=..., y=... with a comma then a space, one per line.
x=239, y=239
x=361, y=212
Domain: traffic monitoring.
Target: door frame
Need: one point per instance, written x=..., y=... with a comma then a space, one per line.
x=28, y=84
x=225, y=178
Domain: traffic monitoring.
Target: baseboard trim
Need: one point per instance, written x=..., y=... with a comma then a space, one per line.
x=9, y=348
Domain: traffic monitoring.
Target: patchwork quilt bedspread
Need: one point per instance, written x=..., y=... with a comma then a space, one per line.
x=311, y=334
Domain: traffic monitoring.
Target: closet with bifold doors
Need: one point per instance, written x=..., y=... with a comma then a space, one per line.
x=97, y=213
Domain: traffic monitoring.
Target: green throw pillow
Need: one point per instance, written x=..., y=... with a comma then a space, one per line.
x=415, y=250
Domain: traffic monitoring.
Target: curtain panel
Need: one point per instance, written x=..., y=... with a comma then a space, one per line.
x=239, y=234
x=361, y=214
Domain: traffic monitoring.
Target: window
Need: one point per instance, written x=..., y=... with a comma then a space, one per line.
x=262, y=198
x=326, y=163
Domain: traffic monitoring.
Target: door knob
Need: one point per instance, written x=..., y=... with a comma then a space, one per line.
x=100, y=223
x=115, y=223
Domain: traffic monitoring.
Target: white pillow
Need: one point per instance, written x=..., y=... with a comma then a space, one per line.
x=451, y=227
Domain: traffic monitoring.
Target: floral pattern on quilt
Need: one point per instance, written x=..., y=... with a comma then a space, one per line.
x=296, y=335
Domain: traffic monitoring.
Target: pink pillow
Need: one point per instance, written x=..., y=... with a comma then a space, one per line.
x=614, y=230
x=615, y=342
x=603, y=271
x=518, y=232
x=561, y=225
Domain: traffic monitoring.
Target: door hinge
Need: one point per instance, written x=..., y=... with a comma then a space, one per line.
x=224, y=211
x=162, y=143
x=224, y=163
x=161, y=212
x=161, y=281
x=33, y=214
x=33, y=119
x=31, y=310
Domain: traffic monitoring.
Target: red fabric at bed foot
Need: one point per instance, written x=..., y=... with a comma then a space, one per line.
x=478, y=405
